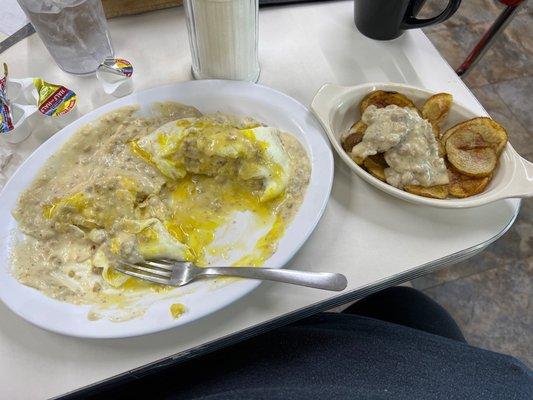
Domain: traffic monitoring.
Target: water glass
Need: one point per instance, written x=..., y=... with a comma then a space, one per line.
x=74, y=32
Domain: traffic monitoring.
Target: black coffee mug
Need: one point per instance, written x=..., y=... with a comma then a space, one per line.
x=387, y=19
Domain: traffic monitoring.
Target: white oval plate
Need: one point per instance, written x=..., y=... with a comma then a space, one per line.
x=337, y=108
x=262, y=103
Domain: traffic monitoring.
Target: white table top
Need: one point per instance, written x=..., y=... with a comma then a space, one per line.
x=374, y=239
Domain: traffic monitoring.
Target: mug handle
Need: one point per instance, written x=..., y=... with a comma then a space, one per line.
x=411, y=22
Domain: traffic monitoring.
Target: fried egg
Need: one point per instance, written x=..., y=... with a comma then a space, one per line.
x=214, y=170
x=98, y=205
x=211, y=189
x=209, y=148
x=161, y=144
x=154, y=241
x=136, y=240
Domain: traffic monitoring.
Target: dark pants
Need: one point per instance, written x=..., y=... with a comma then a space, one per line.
x=395, y=344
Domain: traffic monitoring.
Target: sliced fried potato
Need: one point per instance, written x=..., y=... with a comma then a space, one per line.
x=437, y=107
x=376, y=165
x=444, y=137
x=465, y=186
x=491, y=132
x=354, y=136
x=470, y=155
x=442, y=149
x=435, y=192
x=436, y=130
x=381, y=99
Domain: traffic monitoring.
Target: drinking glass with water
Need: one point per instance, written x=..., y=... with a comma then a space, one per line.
x=74, y=32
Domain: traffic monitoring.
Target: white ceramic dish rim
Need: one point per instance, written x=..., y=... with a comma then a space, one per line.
x=331, y=97
x=308, y=216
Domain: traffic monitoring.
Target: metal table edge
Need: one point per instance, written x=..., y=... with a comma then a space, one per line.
x=286, y=319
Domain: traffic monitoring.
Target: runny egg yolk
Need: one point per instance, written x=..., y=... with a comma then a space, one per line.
x=265, y=246
x=199, y=147
x=202, y=204
x=77, y=201
x=214, y=171
x=177, y=310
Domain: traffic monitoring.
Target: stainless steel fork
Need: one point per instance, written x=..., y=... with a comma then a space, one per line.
x=179, y=273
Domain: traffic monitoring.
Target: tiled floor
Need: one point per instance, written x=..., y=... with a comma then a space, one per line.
x=491, y=294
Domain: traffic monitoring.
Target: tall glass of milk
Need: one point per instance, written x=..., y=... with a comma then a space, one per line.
x=223, y=38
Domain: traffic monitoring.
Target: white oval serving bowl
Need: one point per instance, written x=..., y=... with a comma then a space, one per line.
x=337, y=108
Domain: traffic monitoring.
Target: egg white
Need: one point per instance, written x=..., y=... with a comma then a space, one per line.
x=148, y=238
x=273, y=167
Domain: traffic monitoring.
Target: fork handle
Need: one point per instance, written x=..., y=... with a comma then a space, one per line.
x=319, y=280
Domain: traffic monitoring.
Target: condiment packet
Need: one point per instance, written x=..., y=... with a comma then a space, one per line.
x=56, y=105
x=22, y=91
x=6, y=115
x=115, y=76
x=13, y=117
x=117, y=67
x=21, y=129
x=57, y=108
x=54, y=100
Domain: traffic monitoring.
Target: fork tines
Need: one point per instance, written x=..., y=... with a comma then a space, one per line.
x=157, y=272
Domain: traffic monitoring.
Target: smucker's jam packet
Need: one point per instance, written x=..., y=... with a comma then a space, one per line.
x=54, y=100
x=6, y=116
x=117, y=66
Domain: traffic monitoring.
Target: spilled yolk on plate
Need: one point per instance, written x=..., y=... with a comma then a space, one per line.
x=203, y=204
x=214, y=171
x=177, y=310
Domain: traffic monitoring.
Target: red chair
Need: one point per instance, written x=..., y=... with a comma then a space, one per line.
x=511, y=9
